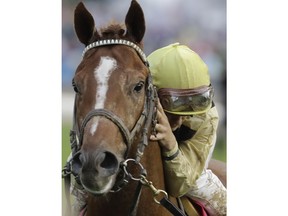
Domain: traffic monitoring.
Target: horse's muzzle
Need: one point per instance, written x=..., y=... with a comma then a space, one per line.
x=98, y=171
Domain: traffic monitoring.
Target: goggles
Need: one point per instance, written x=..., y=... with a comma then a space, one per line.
x=186, y=101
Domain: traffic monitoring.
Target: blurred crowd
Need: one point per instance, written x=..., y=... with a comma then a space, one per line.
x=200, y=24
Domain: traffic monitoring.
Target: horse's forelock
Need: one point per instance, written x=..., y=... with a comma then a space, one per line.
x=113, y=30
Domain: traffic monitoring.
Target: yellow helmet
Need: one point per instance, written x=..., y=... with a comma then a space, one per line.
x=182, y=80
x=176, y=66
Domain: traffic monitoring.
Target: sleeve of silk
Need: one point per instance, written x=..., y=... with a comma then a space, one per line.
x=183, y=170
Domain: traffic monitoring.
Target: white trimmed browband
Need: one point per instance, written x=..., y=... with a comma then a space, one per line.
x=116, y=41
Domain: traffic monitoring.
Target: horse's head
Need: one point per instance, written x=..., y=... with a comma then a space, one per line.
x=110, y=84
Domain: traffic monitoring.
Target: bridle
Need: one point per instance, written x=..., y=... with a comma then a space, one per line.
x=146, y=121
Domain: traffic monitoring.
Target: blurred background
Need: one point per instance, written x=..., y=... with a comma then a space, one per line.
x=199, y=24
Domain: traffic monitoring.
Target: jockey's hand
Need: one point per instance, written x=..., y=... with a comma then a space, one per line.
x=164, y=134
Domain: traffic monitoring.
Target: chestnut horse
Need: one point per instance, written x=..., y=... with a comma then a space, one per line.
x=114, y=113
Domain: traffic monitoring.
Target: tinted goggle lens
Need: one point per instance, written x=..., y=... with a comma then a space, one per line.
x=196, y=100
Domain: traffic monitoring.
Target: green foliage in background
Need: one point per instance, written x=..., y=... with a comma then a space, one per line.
x=65, y=142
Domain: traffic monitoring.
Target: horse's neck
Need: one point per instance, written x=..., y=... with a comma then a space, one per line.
x=152, y=162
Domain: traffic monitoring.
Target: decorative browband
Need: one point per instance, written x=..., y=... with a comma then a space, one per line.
x=113, y=42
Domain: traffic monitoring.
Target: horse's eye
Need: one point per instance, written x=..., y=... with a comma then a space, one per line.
x=75, y=86
x=139, y=86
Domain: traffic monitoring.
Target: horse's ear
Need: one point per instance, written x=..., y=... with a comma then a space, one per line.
x=135, y=22
x=84, y=24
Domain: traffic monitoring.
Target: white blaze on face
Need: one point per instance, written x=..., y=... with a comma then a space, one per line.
x=102, y=74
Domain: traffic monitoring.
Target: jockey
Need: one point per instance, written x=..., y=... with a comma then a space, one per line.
x=187, y=122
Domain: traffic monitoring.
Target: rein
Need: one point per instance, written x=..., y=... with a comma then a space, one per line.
x=146, y=121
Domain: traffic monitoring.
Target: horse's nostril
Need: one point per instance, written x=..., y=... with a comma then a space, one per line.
x=109, y=161
x=101, y=164
x=81, y=159
x=76, y=166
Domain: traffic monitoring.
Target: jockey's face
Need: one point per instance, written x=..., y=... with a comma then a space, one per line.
x=174, y=120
